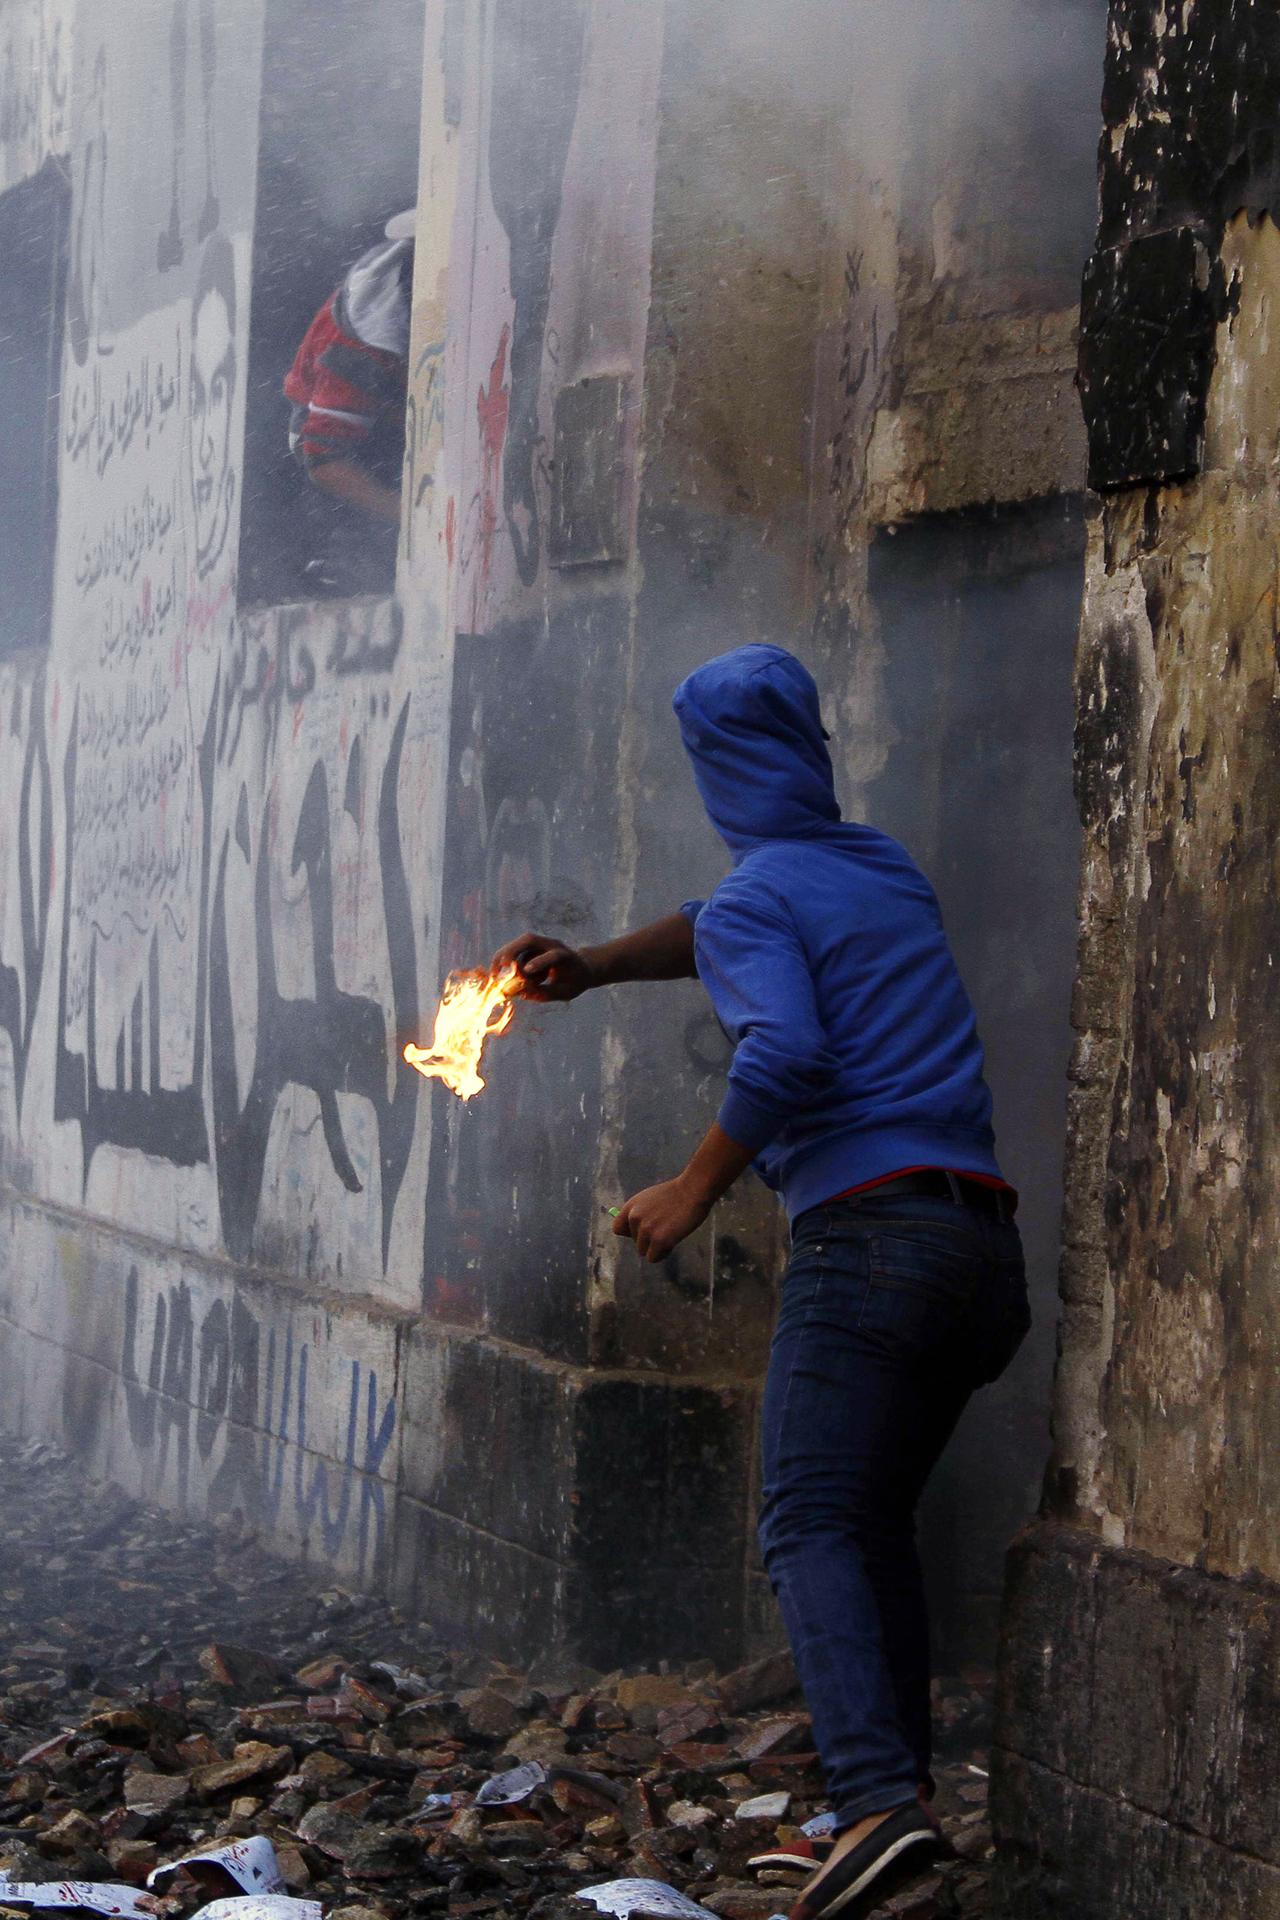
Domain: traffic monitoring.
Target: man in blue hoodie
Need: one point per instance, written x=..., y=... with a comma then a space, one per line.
x=857, y=1092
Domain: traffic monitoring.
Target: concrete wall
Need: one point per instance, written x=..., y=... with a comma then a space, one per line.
x=695, y=341
x=1136, y=1763
x=947, y=562
x=219, y=866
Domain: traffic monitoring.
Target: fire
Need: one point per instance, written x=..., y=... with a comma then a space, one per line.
x=474, y=1005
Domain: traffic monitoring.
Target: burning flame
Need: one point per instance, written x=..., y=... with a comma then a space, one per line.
x=474, y=1005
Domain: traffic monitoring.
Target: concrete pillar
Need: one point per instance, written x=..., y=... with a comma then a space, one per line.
x=1135, y=1760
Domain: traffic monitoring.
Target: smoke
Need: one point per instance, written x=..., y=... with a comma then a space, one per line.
x=341, y=94
x=985, y=109
x=967, y=131
x=1005, y=100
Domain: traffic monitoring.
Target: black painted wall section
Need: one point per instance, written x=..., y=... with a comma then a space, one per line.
x=531, y=842
x=612, y=1512
x=661, y=1501
x=978, y=614
x=1133, y=1767
x=1191, y=138
x=35, y=218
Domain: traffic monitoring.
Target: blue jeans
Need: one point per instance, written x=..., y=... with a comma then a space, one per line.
x=893, y=1310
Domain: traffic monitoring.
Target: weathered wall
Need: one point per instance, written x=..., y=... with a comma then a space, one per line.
x=248, y=1260
x=216, y=883
x=1136, y=1763
x=947, y=568
x=695, y=328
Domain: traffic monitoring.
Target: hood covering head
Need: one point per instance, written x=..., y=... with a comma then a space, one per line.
x=751, y=726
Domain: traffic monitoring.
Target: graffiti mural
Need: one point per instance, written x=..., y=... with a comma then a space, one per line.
x=331, y=1041
x=20, y=978
x=194, y=788
x=221, y=898
x=34, y=85
x=537, y=73
x=169, y=246
x=211, y=879
x=233, y=1403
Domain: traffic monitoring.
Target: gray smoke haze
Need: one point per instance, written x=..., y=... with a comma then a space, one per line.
x=342, y=90
x=1006, y=90
x=984, y=106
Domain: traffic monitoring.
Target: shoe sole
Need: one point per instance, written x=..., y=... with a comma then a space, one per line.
x=904, y=1861
x=802, y=1862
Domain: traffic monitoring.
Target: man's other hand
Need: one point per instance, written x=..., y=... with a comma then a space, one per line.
x=548, y=969
x=661, y=1217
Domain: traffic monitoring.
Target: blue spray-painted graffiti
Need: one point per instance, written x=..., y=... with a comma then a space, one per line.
x=218, y=1388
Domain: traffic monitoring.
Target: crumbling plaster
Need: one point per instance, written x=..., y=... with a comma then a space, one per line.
x=1167, y=1396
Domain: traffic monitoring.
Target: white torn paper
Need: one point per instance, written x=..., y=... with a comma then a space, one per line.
x=84, y=1896
x=259, y=1906
x=821, y=1823
x=649, y=1897
x=251, y=1863
x=507, y=1789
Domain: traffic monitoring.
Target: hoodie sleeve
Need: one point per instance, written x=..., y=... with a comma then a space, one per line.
x=751, y=961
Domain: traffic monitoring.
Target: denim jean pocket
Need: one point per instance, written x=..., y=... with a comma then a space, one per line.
x=920, y=1303
x=928, y=1260
x=1004, y=1323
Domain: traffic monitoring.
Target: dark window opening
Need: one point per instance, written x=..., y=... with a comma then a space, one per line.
x=34, y=228
x=337, y=159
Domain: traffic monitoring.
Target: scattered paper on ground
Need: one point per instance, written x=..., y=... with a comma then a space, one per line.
x=644, y=1897
x=83, y=1896
x=251, y=1863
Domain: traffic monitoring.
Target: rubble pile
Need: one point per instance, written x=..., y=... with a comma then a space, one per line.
x=168, y=1691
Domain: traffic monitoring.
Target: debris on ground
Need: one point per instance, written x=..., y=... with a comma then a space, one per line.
x=189, y=1730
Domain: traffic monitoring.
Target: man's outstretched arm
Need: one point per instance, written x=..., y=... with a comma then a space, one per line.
x=552, y=971
x=660, y=1217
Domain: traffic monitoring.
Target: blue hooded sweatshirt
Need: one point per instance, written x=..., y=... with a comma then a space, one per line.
x=823, y=951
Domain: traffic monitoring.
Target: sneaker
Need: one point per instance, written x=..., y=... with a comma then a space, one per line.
x=802, y=1855
x=899, y=1850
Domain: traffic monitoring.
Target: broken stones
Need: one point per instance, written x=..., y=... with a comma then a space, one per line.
x=488, y=1714
x=644, y=1690
x=688, y=1814
x=244, y=1670
x=769, y=1807
x=147, y=1792
x=245, y=1726
x=765, y=1683
x=131, y=1860
x=252, y=1760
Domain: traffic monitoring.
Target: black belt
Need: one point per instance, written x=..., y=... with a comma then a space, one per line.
x=939, y=1185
